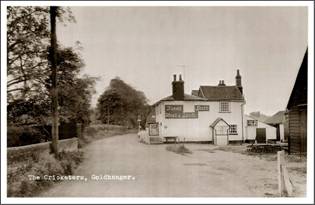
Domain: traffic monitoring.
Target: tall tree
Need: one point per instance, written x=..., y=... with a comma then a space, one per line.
x=121, y=104
x=27, y=42
x=28, y=70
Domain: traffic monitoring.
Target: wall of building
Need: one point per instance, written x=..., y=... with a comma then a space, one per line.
x=298, y=130
x=198, y=129
x=271, y=132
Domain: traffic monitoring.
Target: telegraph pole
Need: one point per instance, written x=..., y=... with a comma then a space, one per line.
x=54, y=89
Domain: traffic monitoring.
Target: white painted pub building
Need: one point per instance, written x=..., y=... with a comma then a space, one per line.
x=212, y=114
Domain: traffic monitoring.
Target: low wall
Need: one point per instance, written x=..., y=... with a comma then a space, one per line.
x=21, y=153
x=68, y=145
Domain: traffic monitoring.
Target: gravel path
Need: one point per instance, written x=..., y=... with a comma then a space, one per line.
x=155, y=172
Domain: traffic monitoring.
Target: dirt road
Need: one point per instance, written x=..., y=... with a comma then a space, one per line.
x=156, y=172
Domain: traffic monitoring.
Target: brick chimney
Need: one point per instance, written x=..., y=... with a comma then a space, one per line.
x=238, y=79
x=178, y=88
x=221, y=83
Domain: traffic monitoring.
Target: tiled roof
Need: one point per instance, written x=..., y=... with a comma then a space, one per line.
x=195, y=92
x=186, y=98
x=215, y=93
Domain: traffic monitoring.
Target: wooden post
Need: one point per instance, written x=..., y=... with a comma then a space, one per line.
x=280, y=181
x=285, y=187
x=54, y=89
x=287, y=181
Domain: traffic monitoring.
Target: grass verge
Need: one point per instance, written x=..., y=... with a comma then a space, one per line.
x=19, y=182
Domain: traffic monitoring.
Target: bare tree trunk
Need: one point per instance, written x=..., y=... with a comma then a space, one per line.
x=54, y=89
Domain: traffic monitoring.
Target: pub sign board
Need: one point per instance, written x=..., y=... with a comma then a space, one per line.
x=173, y=111
x=201, y=108
x=176, y=112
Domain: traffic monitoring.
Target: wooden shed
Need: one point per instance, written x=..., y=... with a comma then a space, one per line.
x=297, y=112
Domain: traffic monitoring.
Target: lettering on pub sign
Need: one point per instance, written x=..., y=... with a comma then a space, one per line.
x=177, y=111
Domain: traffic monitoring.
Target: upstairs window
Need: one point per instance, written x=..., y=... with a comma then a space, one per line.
x=252, y=122
x=233, y=130
x=225, y=107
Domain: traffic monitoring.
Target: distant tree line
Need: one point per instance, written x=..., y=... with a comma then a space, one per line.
x=28, y=72
x=121, y=104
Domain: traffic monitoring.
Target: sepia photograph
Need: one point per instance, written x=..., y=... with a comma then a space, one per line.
x=165, y=100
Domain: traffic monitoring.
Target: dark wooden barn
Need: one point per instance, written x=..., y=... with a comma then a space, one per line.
x=297, y=112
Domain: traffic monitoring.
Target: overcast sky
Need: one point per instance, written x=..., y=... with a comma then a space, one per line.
x=145, y=46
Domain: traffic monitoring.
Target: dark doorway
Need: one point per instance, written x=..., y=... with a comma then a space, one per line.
x=261, y=135
x=278, y=132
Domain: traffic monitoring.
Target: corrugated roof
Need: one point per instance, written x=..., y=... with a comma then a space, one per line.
x=216, y=93
x=277, y=118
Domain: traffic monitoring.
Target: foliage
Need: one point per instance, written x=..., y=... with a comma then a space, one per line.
x=28, y=70
x=27, y=49
x=121, y=104
x=23, y=135
x=100, y=131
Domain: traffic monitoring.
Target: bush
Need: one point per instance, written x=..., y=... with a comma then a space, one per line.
x=69, y=161
x=100, y=131
x=23, y=135
x=90, y=131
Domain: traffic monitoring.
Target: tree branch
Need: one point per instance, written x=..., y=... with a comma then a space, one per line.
x=15, y=89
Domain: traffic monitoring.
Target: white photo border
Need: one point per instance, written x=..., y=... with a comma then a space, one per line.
x=99, y=200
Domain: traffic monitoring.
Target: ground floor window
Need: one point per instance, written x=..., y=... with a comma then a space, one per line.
x=233, y=130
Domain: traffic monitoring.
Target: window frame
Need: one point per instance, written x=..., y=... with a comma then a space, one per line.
x=223, y=104
x=253, y=123
x=234, y=129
